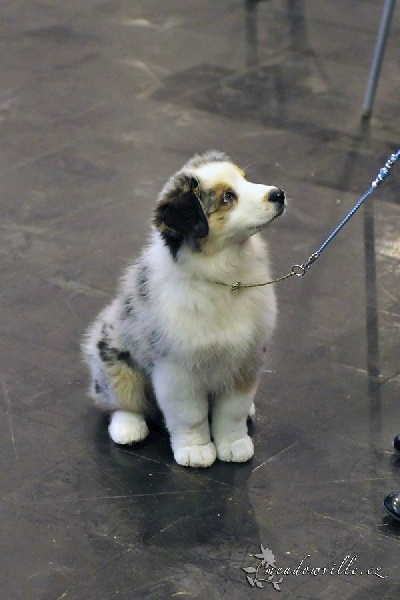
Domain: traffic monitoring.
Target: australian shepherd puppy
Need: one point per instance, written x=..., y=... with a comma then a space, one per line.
x=175, y=336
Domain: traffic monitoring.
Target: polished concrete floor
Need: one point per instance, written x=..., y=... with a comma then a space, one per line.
x=100, y=101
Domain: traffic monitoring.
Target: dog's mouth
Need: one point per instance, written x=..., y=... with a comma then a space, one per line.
x=279, y=212
x=256, y=228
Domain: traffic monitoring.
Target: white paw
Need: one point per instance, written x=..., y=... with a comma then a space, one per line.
x=238, y=451
x=195, y=456
x=127, y=428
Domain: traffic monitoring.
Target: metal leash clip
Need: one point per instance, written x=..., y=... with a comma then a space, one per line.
x=300, y=270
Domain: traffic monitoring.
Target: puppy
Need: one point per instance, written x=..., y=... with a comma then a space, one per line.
x=174, y=335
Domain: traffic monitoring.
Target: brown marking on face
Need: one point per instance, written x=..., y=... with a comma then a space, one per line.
x=217, y=209
x=216, y=223
x=218, y=201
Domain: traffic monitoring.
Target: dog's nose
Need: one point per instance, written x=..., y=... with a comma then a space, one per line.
x=277, y=195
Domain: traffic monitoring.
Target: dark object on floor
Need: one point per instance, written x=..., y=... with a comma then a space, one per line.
x=392, y=505
x=392, y=501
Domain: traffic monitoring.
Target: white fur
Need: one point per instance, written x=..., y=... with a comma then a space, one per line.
x=126, y=427
x=189, y=337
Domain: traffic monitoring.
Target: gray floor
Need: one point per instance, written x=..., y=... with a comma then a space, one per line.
x=100, y=101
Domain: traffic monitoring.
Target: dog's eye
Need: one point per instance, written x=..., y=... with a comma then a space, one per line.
x=229, y=197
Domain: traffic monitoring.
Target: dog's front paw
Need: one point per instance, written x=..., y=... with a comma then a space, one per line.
x=127, y=428
x=195, y=456
x=237, y=451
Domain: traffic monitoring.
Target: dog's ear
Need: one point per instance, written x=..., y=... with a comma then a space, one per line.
x=179, y=214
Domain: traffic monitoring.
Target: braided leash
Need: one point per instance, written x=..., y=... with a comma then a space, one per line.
x=301, y=270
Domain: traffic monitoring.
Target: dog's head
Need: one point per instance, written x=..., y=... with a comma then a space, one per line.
x=209, y=203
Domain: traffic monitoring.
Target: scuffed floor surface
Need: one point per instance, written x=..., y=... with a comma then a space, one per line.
x=100, y=101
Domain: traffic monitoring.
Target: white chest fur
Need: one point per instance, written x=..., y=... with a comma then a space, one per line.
x=202, y=319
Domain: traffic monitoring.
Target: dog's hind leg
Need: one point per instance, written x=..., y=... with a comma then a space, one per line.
x=127, y=424
x=118, y=384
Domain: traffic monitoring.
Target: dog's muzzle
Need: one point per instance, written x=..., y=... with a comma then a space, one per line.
x=277, y=196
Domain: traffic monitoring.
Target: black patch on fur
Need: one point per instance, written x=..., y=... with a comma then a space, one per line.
x=106, y=352
x=174, y=244
x=129, y=308
x=155, y=338
x=125, y=356
x=157, y=345
x=110, y=354
x=143, y=283
x=97, y=387
x=179, y=215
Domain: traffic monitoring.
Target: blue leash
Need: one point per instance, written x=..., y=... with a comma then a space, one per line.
x=300, y=270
